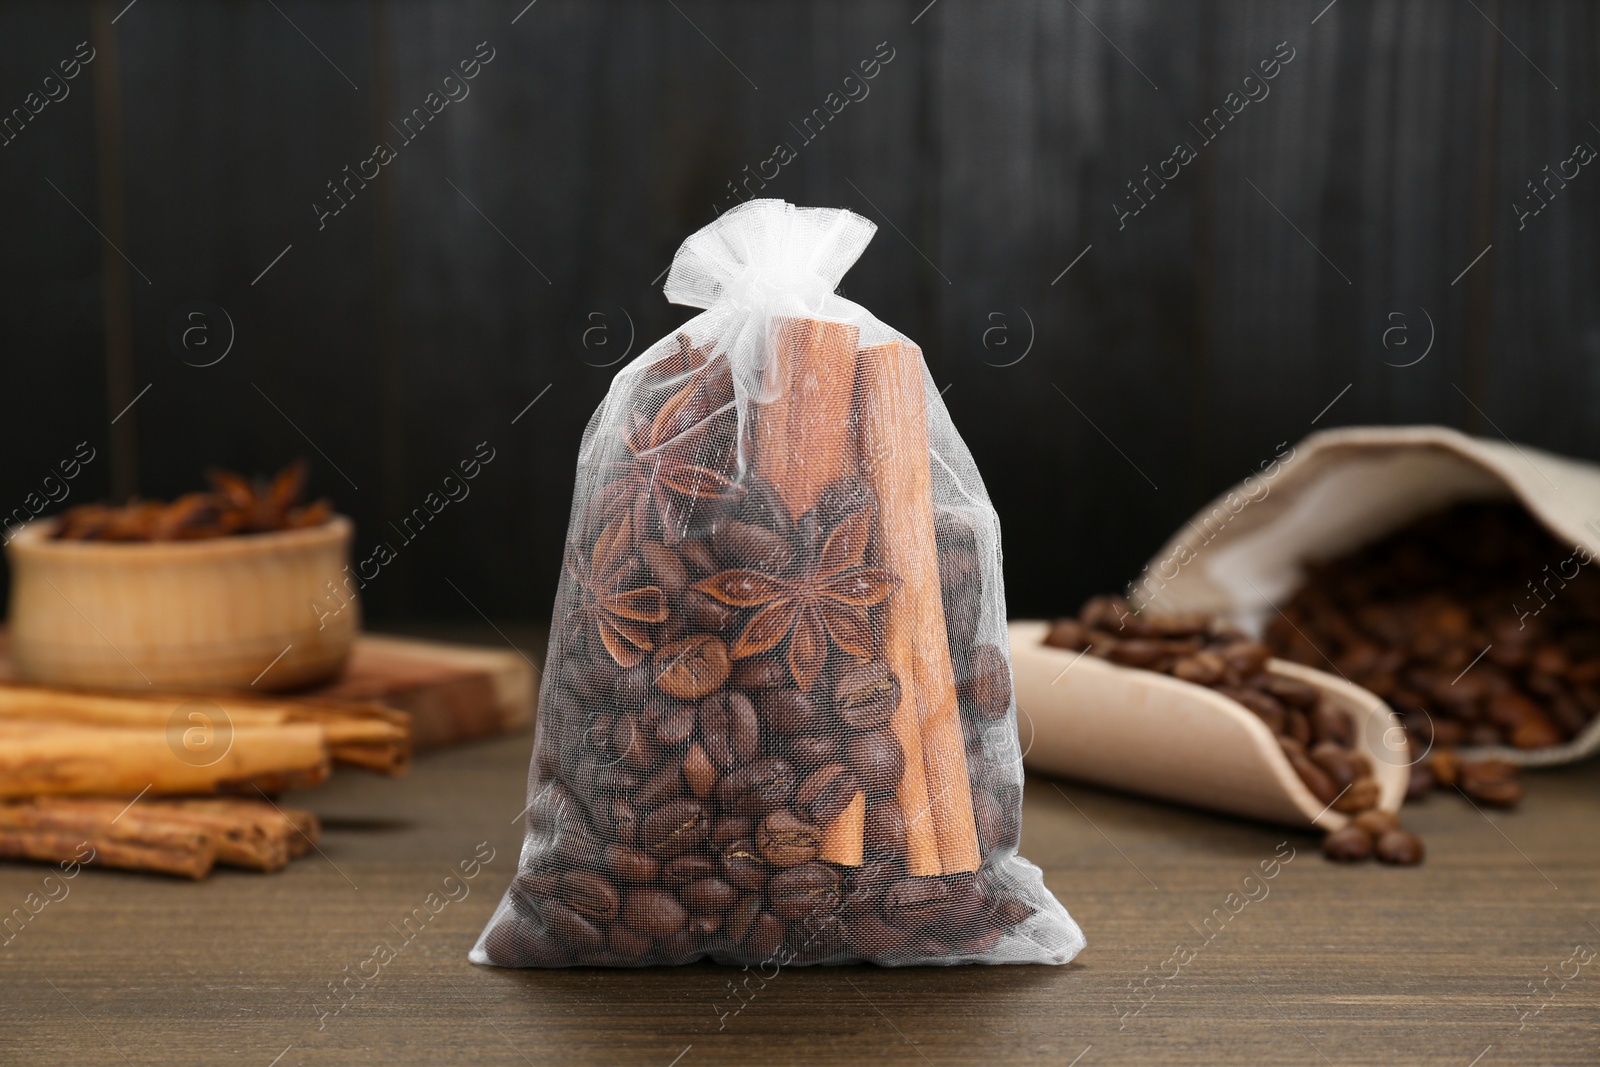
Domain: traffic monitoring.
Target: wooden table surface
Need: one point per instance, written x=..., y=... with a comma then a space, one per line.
x=1477, y=957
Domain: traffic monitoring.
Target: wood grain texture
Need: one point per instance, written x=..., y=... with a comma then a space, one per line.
x=1363, y=965
x=424, y=318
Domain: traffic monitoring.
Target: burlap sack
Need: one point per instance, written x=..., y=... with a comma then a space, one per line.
x=1338, y=490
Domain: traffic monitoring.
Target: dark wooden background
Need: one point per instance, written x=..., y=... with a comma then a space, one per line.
x=1169, y=361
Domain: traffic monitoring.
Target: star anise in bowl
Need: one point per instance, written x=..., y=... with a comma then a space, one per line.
x=234, y=505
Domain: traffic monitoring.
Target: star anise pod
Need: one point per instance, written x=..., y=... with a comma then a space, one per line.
x=235, y=505
x=620, y=614
x=826, y=598
x=678, y=456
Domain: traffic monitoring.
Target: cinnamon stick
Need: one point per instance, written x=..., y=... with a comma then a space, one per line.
x=53, y=758
x=842, y=840
x=182, y=836
x=364, y=735
x=131, y=842
x=894, y=458
x=803, y=436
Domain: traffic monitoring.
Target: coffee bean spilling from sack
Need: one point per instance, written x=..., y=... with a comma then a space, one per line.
x=1317, y=738
x=1474, y=623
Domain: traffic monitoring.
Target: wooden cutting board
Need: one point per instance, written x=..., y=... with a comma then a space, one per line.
x=453, y=693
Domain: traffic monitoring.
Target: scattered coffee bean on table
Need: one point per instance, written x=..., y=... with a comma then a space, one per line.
x=1317, y=738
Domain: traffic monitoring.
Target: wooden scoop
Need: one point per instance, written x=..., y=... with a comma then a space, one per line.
x=1149, y=733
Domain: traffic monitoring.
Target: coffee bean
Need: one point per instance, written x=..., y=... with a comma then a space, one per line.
x=876, y=759
x=962, y=605
x=746, y=545
x=1362, y=794
x=885, y=830
x=666, y=785
x=1350, y=844
x=1137, y=652
x=729, y=729
x=1333, y=759
x=614, y=780
x=788, y=711
x=785, y=841
x=1069, y=634
x=987, y=689
x=1203, y=668
x=1377, y=822
x=1246, y=657
x=653, y=912
x=1328, y=724
x=1446, y=766
x=737, y=923
x=865, y=884
x=915, y=903
x=617, y=820
x=699, y=772
x=571, y=928
x=758, y=672
x=809, y=889
x=843, y=498
x=1435, y=607
x=825, y=793
x=730, y=828
x=692, y=667
x=633, y=686
x=705, y=613
x=1314, y=777
x=676, y=949
x=866, y=695
x=627, y=943
x=674, y=828
x=709, y=895
x=812, y=750
x=757, y=787
x=1421, y=782
x=704, y=927
x=765, y=937
x=876, y=940
x=1318, y=739
x=1491, y=782
x=629, y=864
x=665, y=566
x=742, y=866
x=1399, y=847
x=1292, y=692
x=685, y=869
x=629, y=745
x=964, y=911
x=698, y=558
x=671, y=723
x=989, y=818
x=588, y=894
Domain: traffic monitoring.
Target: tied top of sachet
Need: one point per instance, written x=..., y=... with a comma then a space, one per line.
x=769, y=257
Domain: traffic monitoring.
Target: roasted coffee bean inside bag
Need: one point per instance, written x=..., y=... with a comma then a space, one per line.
x=776, y=721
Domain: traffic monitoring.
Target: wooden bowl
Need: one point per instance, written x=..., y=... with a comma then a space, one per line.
x=1144, y=732
x=254, y=611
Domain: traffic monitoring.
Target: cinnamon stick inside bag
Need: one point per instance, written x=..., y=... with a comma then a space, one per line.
x=803, y=437
x=935, y=794
x=843, y=841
